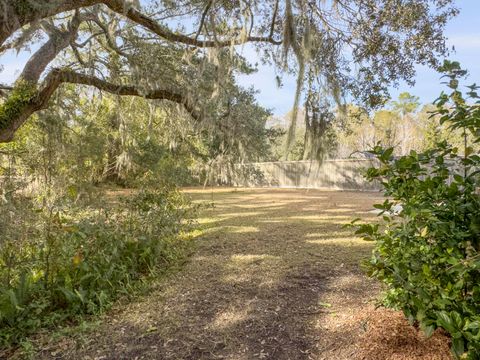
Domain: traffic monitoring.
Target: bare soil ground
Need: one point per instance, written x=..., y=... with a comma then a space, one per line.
x=274, y=276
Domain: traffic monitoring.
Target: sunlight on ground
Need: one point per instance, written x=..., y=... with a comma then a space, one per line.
x=338, y=210
x=242, y=214
x=339, y=240
x=231, y=317
x=207, y=220
x=320, y=216
x=239, y=229
x=246, y=259
x=262, y=206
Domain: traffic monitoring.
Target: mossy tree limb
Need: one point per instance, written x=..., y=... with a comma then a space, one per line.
x=33, y=10
x=23, y=102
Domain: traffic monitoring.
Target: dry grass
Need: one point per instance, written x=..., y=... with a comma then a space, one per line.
x=274, y=276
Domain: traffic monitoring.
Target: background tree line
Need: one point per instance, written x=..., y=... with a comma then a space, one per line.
x=351, y=131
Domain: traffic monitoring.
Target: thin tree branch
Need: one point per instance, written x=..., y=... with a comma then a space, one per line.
x=88, y=40
x=109, y=36
x=274, y=18
x=119, y=6
x=202, y=20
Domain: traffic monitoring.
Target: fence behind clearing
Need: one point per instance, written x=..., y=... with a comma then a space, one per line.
x=341, y=174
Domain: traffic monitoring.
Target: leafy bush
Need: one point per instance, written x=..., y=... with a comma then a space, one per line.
x=58, y=262
x=427, y=251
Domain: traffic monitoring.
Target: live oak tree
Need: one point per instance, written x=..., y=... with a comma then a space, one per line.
x=356, y=47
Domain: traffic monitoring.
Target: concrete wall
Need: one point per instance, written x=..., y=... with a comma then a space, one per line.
x=341, y=174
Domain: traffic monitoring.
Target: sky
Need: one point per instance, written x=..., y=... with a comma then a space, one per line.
x=462, y=32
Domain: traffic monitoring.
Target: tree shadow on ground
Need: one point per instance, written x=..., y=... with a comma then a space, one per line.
x=274, y=276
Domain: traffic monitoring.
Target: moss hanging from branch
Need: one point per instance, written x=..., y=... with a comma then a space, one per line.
x=290, y=42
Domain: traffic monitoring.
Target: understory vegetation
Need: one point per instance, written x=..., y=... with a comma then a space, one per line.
x=427, y=250
x=70, y=247
x=62, y=260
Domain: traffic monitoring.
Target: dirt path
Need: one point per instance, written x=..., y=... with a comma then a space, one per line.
x=274, y=276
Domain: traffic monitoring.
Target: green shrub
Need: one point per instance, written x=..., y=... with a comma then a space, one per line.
x=428, y=254
x=58, y=264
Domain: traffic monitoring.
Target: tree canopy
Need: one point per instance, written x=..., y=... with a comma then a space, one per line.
x=162, y=46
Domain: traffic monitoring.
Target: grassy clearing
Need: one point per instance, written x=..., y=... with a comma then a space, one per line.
x=273, y=273
x=274, y=276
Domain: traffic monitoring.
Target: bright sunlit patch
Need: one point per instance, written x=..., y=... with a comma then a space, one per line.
x=312, y=208
x=195, y=233
x=231, y=317
x=319, y=217
x=207, y=220
x=240, y=229
x=338, y=210
x=262, y=206
x=240, y=214
x=340, y=240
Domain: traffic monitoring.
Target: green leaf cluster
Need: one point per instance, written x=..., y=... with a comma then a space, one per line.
x=21, y=95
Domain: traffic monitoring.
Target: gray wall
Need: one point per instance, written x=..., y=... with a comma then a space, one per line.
x=341, y=174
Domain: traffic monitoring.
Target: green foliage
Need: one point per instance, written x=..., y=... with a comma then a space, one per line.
x=24, y=7
x=428, y=252
x=21, y=95
x=69, y=260
x=406, y=103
